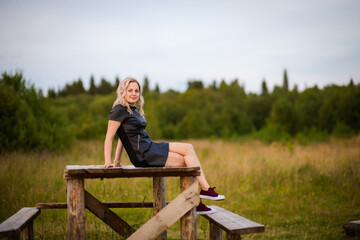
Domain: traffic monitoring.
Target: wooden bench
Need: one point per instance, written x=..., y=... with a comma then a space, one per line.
x=20, y=224
x=233, y=224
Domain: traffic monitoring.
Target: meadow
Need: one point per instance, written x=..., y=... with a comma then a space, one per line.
x=296, y=191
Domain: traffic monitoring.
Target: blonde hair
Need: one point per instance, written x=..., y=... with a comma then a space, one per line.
x=121, y=92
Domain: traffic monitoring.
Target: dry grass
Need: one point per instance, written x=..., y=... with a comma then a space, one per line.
x=298, y=192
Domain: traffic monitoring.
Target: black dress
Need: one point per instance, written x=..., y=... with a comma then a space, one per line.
x=141, y=150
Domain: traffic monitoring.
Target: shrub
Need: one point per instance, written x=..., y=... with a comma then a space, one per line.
x=28, y=120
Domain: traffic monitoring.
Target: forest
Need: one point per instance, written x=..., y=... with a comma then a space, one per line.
x=30, y=120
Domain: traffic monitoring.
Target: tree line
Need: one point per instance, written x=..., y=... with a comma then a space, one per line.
x=77, y=88
x=219, y=110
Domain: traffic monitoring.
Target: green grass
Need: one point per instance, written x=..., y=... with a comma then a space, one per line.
x=297, y=192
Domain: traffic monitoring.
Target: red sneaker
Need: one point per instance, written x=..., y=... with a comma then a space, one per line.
x=211, y=194
x=203, y=209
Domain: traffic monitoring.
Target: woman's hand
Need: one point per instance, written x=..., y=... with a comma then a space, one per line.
x=108, y=165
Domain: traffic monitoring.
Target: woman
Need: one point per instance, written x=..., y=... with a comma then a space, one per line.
x=128, y=122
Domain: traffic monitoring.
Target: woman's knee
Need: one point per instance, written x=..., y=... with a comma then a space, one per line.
x=189, y=148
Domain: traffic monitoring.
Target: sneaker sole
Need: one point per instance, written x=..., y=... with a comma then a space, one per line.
x=206, y=212
x=218, y=198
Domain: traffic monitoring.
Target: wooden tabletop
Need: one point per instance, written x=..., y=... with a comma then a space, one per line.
x=127, y=171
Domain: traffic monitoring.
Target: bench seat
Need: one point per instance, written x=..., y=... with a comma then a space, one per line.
x=21, y=220
x=233, y=224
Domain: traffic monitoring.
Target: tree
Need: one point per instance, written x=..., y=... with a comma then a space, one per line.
x=195, y=84
x=145, y=87
x=92, y=89
x=117, y=82
x=29, y=120
x=157, y=88
x=351, y=83
x=264, y=88
x=285, y=82
x=285, y=115
x=214, y=85
x=51, y=93
x=105, y=87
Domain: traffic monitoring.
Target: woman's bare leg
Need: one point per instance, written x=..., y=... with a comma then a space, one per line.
x=183, y=154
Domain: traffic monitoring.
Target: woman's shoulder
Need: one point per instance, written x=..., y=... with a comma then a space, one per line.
x=119, y=106
x=118, y=113
x=119, y=109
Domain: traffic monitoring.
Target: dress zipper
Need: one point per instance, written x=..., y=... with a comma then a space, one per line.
x=138, y=141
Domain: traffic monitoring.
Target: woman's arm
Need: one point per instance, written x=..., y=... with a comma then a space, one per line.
x=110, y=133
x=118, y=152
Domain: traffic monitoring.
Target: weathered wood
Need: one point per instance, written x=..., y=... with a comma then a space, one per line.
x=63, y=205
x=188, y=221
x=76, y=209
x=230, y=236
x=159, y=196
x=20, y=221
x=96, y=171
x=106, y=215
x=354, y=224
x=352, y=229
x=215, y=232
x=232, y=223
x=28, y=232
x=168, y=215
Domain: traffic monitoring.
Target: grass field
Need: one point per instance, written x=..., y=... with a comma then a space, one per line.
x=297, y=192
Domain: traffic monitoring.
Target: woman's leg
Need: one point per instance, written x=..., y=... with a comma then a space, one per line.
x=183, y=154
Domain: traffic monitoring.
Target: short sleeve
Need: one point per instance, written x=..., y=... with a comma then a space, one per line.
x=118, y=113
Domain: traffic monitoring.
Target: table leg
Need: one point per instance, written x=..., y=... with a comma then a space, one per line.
x=159, y=192
x=188, y=221
x=76, y=209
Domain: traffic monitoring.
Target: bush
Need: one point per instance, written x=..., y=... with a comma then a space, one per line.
x=28, y=120
x=272, y=132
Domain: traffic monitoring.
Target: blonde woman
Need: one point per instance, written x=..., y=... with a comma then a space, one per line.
x=128, y=122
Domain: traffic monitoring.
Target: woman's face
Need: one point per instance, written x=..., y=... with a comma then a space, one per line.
x=132, y=93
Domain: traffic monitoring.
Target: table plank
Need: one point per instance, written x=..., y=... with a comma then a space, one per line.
x=127, y=171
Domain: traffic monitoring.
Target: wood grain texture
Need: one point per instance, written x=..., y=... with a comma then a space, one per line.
x=127, y=171
x=159, y=194
x=21, y=220
x=76, y=209
x=188, y=221
x=168, y=215
x=232, y=223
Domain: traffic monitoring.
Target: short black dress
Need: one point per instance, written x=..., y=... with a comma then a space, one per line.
x=141, y=150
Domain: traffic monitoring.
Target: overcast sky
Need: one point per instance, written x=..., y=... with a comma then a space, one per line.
x=57, y=42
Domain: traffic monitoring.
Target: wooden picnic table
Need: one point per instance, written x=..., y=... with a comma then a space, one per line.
x=183, y=207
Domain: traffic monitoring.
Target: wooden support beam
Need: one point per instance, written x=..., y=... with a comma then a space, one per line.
x=63, y=205
x=215, y=232
x=188, y=221
x=159, y=193
x=76, y=209
x=106, y=215
x=168, y=215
